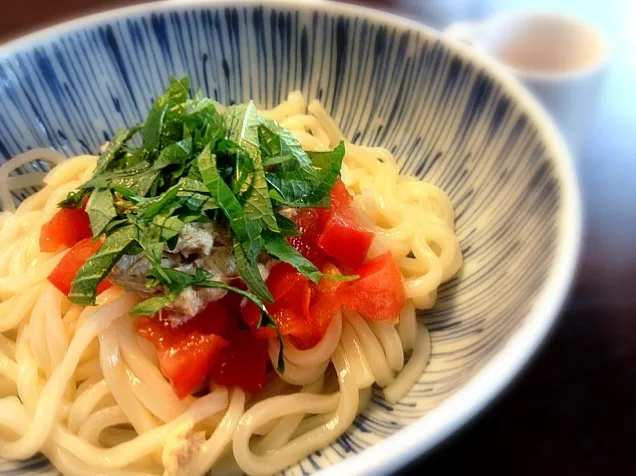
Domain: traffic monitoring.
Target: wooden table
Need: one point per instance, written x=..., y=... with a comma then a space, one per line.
x=573, y=411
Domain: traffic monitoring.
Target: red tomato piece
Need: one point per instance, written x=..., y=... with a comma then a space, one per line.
x=339, y=202
x=213, y=319
x=67, y=227
x=379, y=293
x=103, y=286
x=251, y=315
x=290, y=310
x=242, y=313
x=344, y=240
x=282, y=278
x=243, y=363
x=63, y=274
x=231, y=302
x=332, y=232
x=187, y=352
x=291, y=313
x=326, y=300
x=308, y=221
x=188, y=363
x=340, y=198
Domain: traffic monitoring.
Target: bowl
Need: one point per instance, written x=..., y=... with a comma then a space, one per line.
x=450, y=116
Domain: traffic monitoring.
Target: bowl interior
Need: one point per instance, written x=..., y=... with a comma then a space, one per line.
x=447, y=118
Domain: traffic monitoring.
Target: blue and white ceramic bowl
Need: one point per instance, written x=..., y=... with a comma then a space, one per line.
x=451, y=117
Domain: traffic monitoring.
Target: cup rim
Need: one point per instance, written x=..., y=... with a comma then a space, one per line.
x=604, y=55
x=508, y=362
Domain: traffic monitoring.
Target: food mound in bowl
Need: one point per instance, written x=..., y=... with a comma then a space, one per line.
x=237, y=261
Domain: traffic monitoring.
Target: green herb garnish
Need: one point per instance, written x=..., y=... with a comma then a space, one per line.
x=234, y=169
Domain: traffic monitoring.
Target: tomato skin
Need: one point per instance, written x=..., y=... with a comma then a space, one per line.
x=311, y=222
x=232, y=301
x=326, y=300
x=291, y=313
x=213, y=319
x=308, y=221
x=251, y=315
x=187, y=352
x=243, y=363
x=343, y=239
x=340, y=198
x=282, y=278
x=188, y=363
x=302, y=310
x=379, y=293
x=63, y=274
x=65, y=229
x=290, y=310
x=332, y=232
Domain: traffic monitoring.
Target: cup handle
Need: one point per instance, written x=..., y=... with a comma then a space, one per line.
x=463, y=31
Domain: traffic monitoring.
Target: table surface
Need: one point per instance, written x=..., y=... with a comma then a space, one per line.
x=573, y=410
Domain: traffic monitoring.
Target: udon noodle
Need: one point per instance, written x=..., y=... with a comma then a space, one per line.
x=79, y=385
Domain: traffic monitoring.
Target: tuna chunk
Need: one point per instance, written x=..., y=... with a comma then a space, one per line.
x=182, y=445
x=195, y=239
x=130, y=273
x=188, y=304
x=199, y=246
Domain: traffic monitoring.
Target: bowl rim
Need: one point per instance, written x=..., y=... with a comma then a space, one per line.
x=416, y=439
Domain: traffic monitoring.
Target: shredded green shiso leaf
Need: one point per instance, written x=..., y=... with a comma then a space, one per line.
x=235, y=169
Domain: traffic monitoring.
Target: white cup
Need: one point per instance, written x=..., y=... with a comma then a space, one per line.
x=561, y=60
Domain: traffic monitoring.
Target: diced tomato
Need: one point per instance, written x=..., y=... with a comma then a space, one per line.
x=243, y=363
x=67, y=227
x=231, y=302
x=188, y=363
x=251, y=315
x=379, y=293
x=326, y=300
x=213, y=319
x=290, y=310
x=187, y=352
x=303, y=310
x=339, y=202
x=291, y=313
x=343, y=239
x=282, y=278
x=332, y=232
x=63, y=274
x=308, y=221
x=340, y=198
